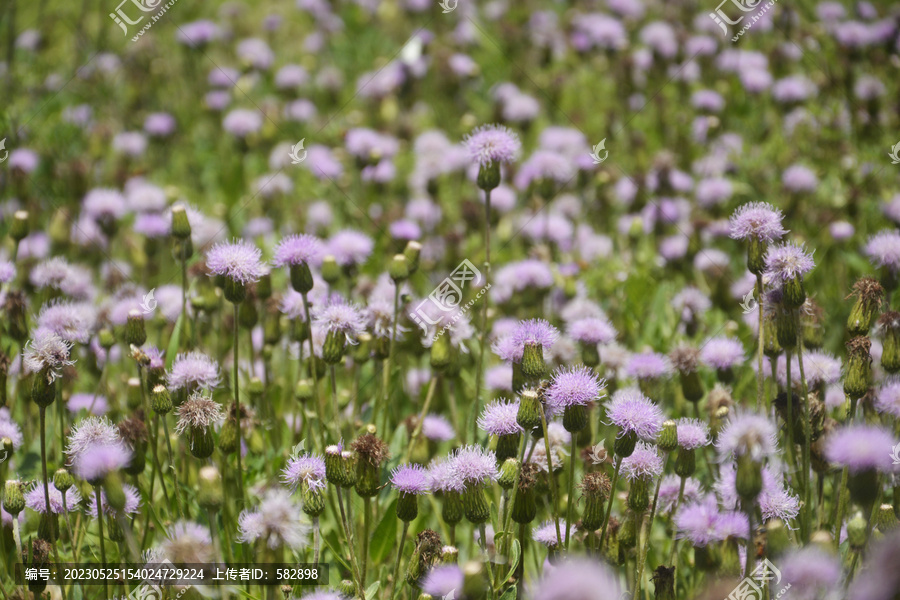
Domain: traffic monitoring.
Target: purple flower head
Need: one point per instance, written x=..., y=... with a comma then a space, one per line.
x=339, y=316
x=887, y=399
x=788, y=261
x=881, y=578
x=577, y=579
x=34, y=499
x=812, y=572
x=861, y=448
x=437, y=428
x=132, y=503
x=722, y=353
x=7, y=271
x=545, y=533
x=159, y=124
x=275, y=522
x=591, y=330
x=533, y=331
x=9, y=429
x=97, y=461
x=298, y=250
x=92, y=403
x=757, y=220
x=47, y=351
x=499, y=418
x=798, y=178
x=405, y=229
x=410, y=479
x=492, y=143
x=575, y=386
x=883, y=250
x=632, y=412
x=703, y=522
x=443, y=581
x=237, y=260
x=442, y=477
x=748, y=433
x=692, y=433
x=72, y=321
x=644, y=463
x=193, y=370
x=186, y=542
x=308, y=469
x=349, y=247
x=669, y=490
x=474, y=465
x=544, y=165
x=90, y=432
x=242, y=122
x=648, y=365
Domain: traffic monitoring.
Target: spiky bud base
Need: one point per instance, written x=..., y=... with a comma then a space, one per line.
x=863, y=487
x=407, y=507
x=685, y=462
x=475, y=505
x=529, y=415
x=794, y=293
x=638, y=496
x=575, y=418
x=668, y=437
x=301, y=278
x=749, y=478
x=533, y=361
x=507, y=446
x=333, y=348
x=43, y=390
x=313, y=501
x=488, y=176
x=235, y=291
x=592, y=516
x=624, y=444
x=524, y=509
x=202, y=442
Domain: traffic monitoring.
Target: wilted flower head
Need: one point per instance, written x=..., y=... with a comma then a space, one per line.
x=632, y=412
x=193, y=370
x=788, y=261
x=861, y=448
x=276, y=521
x=577, y=579
x=492, y=143
x=499, y=418
x=757, y=220
x=748, y=433
x=473, y=465
x=239, y=261
x=198, y=412
x=306, y=469
x=410, y=479
x=575, y=386
x=47, y=352
x=644, y=463
x=297, y=250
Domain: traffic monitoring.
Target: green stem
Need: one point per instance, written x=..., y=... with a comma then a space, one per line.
x=382, y=400
x=348, y=532
x=674, y=551
x=172, y=466
x=102, y=544
x=571, y=483
x=417, y=432
x=484, y=318
x=365, y=541
x=807, y=488
x=646, y=531
x=612, y=496
x=237, y=406
x=759, y=351
x=317, y=401
x=395, y=584
x=43, y=417
x=334, y=402
x=487, y=559
x=554, y=491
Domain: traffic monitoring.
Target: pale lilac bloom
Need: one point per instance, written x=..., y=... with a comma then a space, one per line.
x=648, y=365
x=242, y=122
x=492, y=143
x=861, y=448
x=798, y=178
x=193, y=370
x=35, y=500
x=632, y=412
x=132, y=503
x=276, y=522
x=722, y=353
x=349, y=247
x=94, y=404
x=883, y=250
x=644, y=463
x=239, y=261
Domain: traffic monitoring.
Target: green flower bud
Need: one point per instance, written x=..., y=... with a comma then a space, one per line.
x=368, y=477
x=18, y=229
x=590, y=354
x=856, y=533
x=362, y=351
x=333, y=348
x=638, y=495
x=63, y=480
x=524, y=508
x=685, y=462
x=228, y=436
x=863, y=487
x=777, y=539
x=533, y=361
x=181, y=227
x=441, y=352
x=595, y=488
x=407, y=507
x=771, y=347
x=756, y=256
x=347, y=588
x=114, y=490
x=160, y=400
x=749, y=478
x=488, y=176
x=509, y=471
x=885, y=519
x=890, y=353
x=869, y=295
x=398, y=270
x=786, y=329
x=48, y=527
x=628, y=533
x=106, y=338
x=452, y=510
x=201, y=441
x=449, y=555
x=43, y=389
x=575, y=418
x=529, y=415
x=859, y=368
x=313, y=501
x=794, y=293
x=412, y=252
x=235, y=291
x=624, y=444
x=209, y=488
x=331, y=270
x=474, y=581
x=303, y=391
x=135, y=332
x=507, y=446
x=13, y=497
x=518, y=380
x=475, y=504
x=668, y=437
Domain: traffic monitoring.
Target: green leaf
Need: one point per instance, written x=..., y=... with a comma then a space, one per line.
x=373, y=589
x=514, y=552
x=509, y=594
x=337, y=555
x=385, y=536
x=172, y=348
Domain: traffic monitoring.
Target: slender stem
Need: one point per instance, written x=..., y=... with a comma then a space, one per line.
x=807, y=505
x=395, y=584
x=129, y=537
x=237, y=406
x=172, y=466
x=102, y=544
x=317, y=401
x=316, y=540
x=674, y=550
x=748, y=568
x=842, y=489
x=382, y=400
x=571, y=483
x=790, y=407
x=348, y=532
x=69, y=527
x=334, y=402
x=554, y=491
x=484, y=316
x=515, y=488
x=482, y=539
x=17, y=537
x=646, y=531
x=43, y=417
x=365, y=541
x=759, y=351
x=612, y=495
x=417, y=432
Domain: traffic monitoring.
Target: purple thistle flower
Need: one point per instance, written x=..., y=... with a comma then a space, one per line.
x=812, y=572
x=97, y=461
x=437, y=428
x=9, y=429
x=349, y=247
x=722, y=353
x=91, y=432
x=788, y=261
x=187, y=542
x=575, y=386
x=881, y=578
x=532, y=331
x=669, y=489
x=883, y=249
x=545, y=533
x=34, y=499
x=591, y=330
x=241, y=122
x=132, y=503
x=298, y=250
x=339, y=316
x=499, y=418
x=544, y=165
x=410, y=479
x=492, y=143
x=324, y=595
x=887, y=399
x=47, y=351
x=442, y=477
x=193, y=370
x=644, y=463
x=692, y=433
x=703, y=522
x=861, y=448
x=92, y=403
x=7, y=271
x=237, y=260
x=72, y=321
x=748, y=433
x=632, y=412
x=308, y=469
x=577, y=579
x=797, y=178
x=443, y=581
x=757, y=220
x=648, y=365
x=275, y=521
x=474, y=465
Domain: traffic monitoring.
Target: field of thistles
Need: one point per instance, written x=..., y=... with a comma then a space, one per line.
x=457, y=300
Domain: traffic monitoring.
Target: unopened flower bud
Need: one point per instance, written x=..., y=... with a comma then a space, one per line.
x=885, y=519
x=869, y=295
x=331, y=270
x=313, y=499
x=638, y=495
x=135, y=331
x=13, y=497
x=334, y=346
x=890, y=353
x=475, y=504
x=209, y=488
x=412, y=252
x=160, y=400
x=856, y=532
x=624, y=444
x=181, y=227
x=858, y=379
x=399, y=268
x=488, y=176
x=407, y=507
x=63, y=480
x=595, y=488
x=749, y=478
x=668, y=436
x=533, y=361
x=201, y=441
x=575, y=418
x=18, y=229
